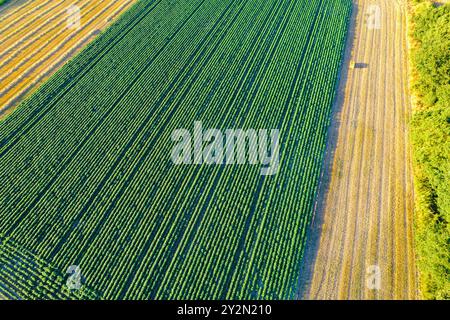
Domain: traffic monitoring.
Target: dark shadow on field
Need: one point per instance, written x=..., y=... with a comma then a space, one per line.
x=361, y=65
x=315, y=228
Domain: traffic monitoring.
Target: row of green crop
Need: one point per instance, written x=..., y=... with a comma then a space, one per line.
x=2, y=211
x=198, y=235
x=186, y=105
x=255, y=115
x=126, y=110
x=109, y=199
x=146, y=151
x=173, y=228
x=94, y=93
x=107, y=136
x=62, y=82
x=313, y=112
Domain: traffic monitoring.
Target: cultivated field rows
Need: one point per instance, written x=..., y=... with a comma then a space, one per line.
x=365, y=213
x=93, y=184
x=36, y=39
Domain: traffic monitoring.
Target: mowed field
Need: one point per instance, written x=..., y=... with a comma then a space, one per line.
x=365, y=209
x=87, y=177
x=36, y=39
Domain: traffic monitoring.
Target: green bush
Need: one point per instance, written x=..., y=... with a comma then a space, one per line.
x=430, y=132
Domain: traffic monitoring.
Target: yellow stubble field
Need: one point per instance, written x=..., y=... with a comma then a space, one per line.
x=37, y=37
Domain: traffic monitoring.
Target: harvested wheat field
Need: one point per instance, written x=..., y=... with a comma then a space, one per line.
x=364, y=215
x=38, y=36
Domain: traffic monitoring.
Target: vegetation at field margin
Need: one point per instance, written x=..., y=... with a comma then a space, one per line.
x=430, y=134
x=87, y=177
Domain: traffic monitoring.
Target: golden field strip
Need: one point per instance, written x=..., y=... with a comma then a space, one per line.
x=36, y=39
x=364, y=217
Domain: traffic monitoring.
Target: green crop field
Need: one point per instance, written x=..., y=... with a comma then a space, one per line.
x=86, y=172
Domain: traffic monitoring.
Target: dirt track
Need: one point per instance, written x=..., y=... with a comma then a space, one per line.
x=36, y=40
x=365, y=209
